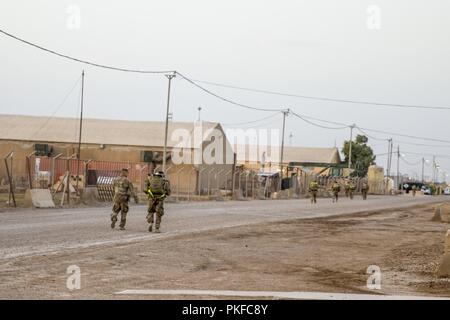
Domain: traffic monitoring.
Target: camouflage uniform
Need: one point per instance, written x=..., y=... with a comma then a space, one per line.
x=351, y=189
x=414, y=189
x=364, y=190
x=123, y=190
x=347, y=189
x=313, y=188
x=336, y=189
x=156, y=200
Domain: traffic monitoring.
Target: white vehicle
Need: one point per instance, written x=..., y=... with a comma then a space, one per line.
x=426, y=190
x=447, y=191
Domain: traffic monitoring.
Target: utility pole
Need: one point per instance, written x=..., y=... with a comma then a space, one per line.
x=350, y=147
x=434, y=169
x=388, y=167
x=398, y=168
x=285, y=113
x=390, y=155
x=81, y=128
x=199, y=111
x=170, y=77
x=423, y=168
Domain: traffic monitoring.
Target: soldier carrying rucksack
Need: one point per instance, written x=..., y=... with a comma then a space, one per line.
x=123, y=190
x=336, y=188
x=313, y=189
x=157, y=189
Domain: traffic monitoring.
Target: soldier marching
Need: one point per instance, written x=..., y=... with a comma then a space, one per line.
x=157, y=189
x=123, y=190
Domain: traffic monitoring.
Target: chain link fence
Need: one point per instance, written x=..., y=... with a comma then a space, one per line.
x=188, y=182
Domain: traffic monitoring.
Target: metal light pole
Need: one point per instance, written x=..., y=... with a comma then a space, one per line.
x=423, y=168
x=170, y=77
x=285, y=113
x=434, y=170
x=199, y=113
x=389, y=159
x=398, y=167
x=350, y=147
x=81, y=128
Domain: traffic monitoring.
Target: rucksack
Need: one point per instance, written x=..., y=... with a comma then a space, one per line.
x=157, y=185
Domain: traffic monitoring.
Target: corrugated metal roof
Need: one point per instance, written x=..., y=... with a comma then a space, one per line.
x=95, y=131
x=305, y=154
x=291, y=154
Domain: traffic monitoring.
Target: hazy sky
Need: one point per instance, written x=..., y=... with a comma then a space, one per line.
x=318, y=48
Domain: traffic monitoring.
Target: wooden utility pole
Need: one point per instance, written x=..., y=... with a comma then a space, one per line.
x=423, y=168
x=350, y=147
x=398, y=168
x=389, y=158
x=170, y=77
x=285, y=113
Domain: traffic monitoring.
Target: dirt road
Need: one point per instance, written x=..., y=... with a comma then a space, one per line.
x=31, y=232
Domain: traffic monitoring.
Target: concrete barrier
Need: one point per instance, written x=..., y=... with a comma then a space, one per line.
x=39, y=198
x=444, y=268
x=442, y=213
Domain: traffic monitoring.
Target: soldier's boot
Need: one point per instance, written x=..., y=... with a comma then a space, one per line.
x=113, y=222
x=157, y=230
x=122, y=224
x=150, y=227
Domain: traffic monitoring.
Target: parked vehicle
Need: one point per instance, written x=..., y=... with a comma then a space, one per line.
x=426, y=190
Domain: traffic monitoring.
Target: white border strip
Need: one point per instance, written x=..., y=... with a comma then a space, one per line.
x=279, y=295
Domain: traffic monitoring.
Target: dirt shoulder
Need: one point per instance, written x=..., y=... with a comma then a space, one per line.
x=321, y=254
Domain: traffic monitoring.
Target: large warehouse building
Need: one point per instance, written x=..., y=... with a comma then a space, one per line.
x=137, y=143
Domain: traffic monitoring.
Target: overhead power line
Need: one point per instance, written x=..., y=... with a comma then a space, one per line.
x=370, y=136
x=58, y=107
x=315, y=124
x=80, y=60
x=251, y=122
x=423, y=144
x=226, y=99
x=407, y=136
x=444, y=156
x=380, y=104
x=196, y=82
x=409, y=163
x=300, y=116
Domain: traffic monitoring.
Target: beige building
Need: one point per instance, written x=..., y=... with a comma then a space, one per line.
x=267, y=159
x=193, y=148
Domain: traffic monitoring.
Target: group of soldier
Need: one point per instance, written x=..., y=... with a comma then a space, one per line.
x=349, y=187
x=157, y=189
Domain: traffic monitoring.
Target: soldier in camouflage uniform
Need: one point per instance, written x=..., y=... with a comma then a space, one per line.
x=364, y=190
x=347, y=188
x=336, y=188
x=123, y=190
x=313, y=189
x=157, y=188
x=351, y=189
x=414, y=189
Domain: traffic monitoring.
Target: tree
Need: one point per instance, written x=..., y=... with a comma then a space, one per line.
x=362, y=155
